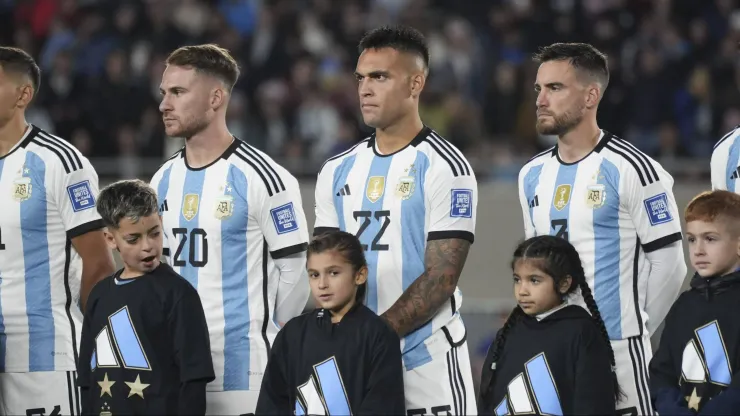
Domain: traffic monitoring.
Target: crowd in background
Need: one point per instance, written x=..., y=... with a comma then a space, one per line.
x=673, y=89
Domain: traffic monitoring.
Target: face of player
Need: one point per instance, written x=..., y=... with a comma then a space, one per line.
x=387, y=82
x=334, y=282
x=14, y=96
x=714, y=249
x=139, y=243
x=561, y=98
x=535, y=290
x=185, y=102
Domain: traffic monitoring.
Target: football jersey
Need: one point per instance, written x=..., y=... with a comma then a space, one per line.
x=614, y=205
x=224, y=224
x=394, y=204
x=47, y=195
x=725, y=164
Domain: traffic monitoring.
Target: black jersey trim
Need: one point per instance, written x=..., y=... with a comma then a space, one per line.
x=345, y=153
x=53, y=150
x=644, y=373
x=635, y=374
x=225, y=155
x=726, y=136
x=462, y=383
x=42, y=138
x=265, y=165
x=265, y=302
x=459, y=159
x=640, y=156
x=543, y=153
x=68, y=294
x=323, y=230
x=261, y=174
x=29, y=134
x=444, y=156
x=443, y=235
x=69, y=393
x=420, y=136
x=85, y=228
x=662, y=242
x=455, y=371
x=287, y=251
x=631, y=162
x=454, y=344
x=65, y=145
x=635, y=279
x=452, y=385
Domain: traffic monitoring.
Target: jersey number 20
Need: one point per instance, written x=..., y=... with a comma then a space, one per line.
x=196, y=235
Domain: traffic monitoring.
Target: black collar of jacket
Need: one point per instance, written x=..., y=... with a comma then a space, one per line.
x=323, y=317
x=714, y=285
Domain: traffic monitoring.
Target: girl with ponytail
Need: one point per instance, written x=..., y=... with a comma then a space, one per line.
x=550, y=357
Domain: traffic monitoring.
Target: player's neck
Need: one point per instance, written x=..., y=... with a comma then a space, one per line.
x=397, y=136
x=579, y=142
x=11, y=133
x=208, y=145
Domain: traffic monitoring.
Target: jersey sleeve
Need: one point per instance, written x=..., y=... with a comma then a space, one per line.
x=274, y=397
x=190, y=339
x=326, y=214
x=75, y=194
x=282, y=219
x=452, y=201
x=529, y=230
x=384, y=393
x=718, y=168
x=652, y=207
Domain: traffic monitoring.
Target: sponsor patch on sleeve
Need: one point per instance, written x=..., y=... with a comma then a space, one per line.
x=81, y=196
x=462, y=203
x=284, y=218
x=658, y=210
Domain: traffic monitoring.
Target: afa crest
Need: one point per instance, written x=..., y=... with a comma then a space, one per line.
x=190, y=206
x=561, y=197
x=224, y=207
x=375, y=188
x=22, y=189
x=595, y=196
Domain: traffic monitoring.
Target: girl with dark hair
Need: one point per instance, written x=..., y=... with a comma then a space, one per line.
x=550, y=357
x=341, y=358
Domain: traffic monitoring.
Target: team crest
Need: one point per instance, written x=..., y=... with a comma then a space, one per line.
x=595, y=196
x=224, y=207
x=190, y=206
x=375, y=188
x=562, y=197
x=22, y=189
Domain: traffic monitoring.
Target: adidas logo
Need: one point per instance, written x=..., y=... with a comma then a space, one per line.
x=736, y=173
x=163, y=207
x=535, y=202
x=344, y=191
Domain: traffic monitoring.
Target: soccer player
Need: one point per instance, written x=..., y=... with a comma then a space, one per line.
x=612, y=202
x=52, y=251
x=410, y=197
x=233, y=224
x=145, y=346
x=725, y=164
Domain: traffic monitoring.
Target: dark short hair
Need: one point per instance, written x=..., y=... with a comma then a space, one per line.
x=581, y=56
x=401, y=38
x=20, y=62
x=348, y=246
x=132, y=199
x=208, y=59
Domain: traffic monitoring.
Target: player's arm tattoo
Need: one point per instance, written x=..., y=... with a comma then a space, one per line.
x=443, y=261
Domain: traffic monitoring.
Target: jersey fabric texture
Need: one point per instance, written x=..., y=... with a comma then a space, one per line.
x=39, y=393
x=557, y=366
x=725, y=164
x=47, y=195
x=224, y=224
x=614, y=205
x=318, y=367
x=696, y=365
x=395, y=204
x=144, y=344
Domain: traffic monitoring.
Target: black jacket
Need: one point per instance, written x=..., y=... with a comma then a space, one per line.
x=145, y=348
x=317, y=367
x=559, y=365
x=697, y=365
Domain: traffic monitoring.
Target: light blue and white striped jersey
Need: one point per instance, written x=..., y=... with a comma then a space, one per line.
x=725, y=164
x=395, y=204
x=224, y=224
x=47, y=198
x=614, y=205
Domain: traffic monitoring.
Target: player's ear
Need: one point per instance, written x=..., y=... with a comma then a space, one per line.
x=25, y=95
x=418, y=80
x=361, y=276
x=593, y=95
x=218, y=98
x=565, y=284
x=109, y=239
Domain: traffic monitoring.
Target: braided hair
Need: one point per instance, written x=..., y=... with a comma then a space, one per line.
x=559, y=259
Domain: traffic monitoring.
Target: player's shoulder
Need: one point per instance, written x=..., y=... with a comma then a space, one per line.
x=442, y=154
x=729, y=139
x=537, y=160
x=167, y=164
x=629, y=160
x=55, y=152
x=336, y=160
x=260, y=168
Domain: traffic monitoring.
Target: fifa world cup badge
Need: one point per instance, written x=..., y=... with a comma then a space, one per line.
x=595, y=196
x=375, y=188
x=562, y=197
x=22, y=189
x=190, y=206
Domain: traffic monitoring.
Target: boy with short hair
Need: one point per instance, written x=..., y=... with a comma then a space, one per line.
x=145, y=346
x=695, y=370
